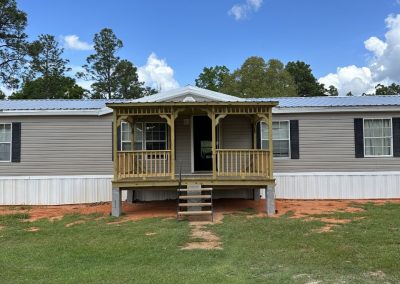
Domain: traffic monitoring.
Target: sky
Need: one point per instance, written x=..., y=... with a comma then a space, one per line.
x=352, y=45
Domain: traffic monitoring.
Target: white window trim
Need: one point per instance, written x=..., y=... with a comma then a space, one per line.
x=391, y=139
x=290, y=150
x=124, y=141
x=11, y=126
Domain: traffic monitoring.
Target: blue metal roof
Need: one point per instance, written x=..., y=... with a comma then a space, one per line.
x=354, y=101
x=284, y=102
x=53, y=104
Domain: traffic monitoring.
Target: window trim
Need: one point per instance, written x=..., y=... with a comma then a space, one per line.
x=144, y=138
x=391, y=138
x=124, y=141
x=11, y=140
x=289, y=148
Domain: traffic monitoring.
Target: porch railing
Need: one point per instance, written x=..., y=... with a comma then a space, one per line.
x=242, y=162
x=146, y=163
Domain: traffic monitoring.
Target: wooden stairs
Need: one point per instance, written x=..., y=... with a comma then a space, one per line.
x=194, y=201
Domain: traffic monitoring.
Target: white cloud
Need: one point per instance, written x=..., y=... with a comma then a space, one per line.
x=242, y=11
x=383, y=66
x=73, y=42
x=157, y=74
x=6, y=91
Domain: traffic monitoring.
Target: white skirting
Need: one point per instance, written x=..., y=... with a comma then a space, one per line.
x=338, y=185
x=55, y=190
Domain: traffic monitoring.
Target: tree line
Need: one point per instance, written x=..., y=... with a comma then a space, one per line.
x=38, y=70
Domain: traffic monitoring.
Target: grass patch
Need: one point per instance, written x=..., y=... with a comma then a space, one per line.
x=255, y=250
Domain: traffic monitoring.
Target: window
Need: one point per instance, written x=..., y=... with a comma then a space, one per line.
x=147, y=136
x=126, y=136
x=377, y=137
x=156, y=136
x=5, y=142
x=280, y=137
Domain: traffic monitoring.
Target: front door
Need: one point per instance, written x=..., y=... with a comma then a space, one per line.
x=202, y=146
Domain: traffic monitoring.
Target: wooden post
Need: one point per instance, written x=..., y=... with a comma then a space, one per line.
x=213, y=143
x=115, y=140
x=271, y=150
x=172, y=135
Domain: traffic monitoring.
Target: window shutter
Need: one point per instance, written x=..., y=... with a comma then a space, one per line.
x=396, y=136
x=119, y=138
x=258, y=135
x=16, y=142
x=359, y=137
x=294, y=140
x=112, y=141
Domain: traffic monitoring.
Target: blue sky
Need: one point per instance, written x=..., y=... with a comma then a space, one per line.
x=185, y=36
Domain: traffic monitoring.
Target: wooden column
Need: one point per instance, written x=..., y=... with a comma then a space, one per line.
x=115, y=143
x=214, y=144
x=172, y=135
x=271, y=150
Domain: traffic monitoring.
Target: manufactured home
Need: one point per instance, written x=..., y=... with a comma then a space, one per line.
x=81, y=151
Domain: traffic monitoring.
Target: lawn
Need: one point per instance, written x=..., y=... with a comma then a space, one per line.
x=254, y=250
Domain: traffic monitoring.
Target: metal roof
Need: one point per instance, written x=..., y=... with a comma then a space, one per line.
x=21, y=105
x=354, y=101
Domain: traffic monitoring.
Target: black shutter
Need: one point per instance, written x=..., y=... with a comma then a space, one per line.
x=112, y=141
x=119, y=138
x=359, y=137
x=294, y=139
x=16, y=142
x=396, y=136
x=258, y=135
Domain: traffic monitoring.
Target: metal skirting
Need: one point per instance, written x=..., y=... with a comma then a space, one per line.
x=337, y=185
x=56, y=190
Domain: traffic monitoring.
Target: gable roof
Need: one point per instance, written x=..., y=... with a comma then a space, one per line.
x=188, y=91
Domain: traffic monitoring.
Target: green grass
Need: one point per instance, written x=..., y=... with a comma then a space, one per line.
x=255, y=250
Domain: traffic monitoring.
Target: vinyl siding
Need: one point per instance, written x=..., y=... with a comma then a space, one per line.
x=62, y=145
x=327, y=144
x=81, y=145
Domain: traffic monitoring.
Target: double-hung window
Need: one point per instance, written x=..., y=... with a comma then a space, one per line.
x=147, y=136
x=378, y=136
x=280, y=138
x=5, y=142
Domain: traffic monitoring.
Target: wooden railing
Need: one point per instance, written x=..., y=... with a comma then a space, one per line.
x=133, y=164
x=242, y=162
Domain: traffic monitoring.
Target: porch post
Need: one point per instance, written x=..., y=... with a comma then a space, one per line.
x=213, y=143
x=270, y=200
x=115, y=143
x=271, y=150
x=116, y=210
x=172, y=135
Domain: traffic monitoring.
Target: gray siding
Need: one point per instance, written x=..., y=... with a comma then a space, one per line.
x=327, y=145
x=62, y=145
x=81, y=145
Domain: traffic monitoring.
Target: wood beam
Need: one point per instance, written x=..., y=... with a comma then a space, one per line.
x=172, y=135
x=213, y=143
x=271, y=150
x=115, y=144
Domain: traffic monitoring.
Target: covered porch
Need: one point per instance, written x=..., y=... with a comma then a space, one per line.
x=180, y=144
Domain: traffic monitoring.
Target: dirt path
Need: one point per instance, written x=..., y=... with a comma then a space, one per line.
x=202, y=237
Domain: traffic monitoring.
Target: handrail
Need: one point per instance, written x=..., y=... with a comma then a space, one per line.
x=243, y=162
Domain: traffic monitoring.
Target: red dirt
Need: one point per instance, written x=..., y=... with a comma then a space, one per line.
x=137, y=211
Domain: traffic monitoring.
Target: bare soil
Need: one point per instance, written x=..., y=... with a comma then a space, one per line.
x=203, y=239
x=167, y=209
